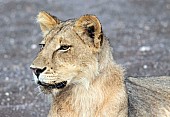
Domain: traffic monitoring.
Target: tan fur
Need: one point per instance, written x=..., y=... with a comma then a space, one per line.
x=95, y=85
x=149, y=97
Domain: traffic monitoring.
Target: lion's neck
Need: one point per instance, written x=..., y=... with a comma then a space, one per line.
x=105, y=56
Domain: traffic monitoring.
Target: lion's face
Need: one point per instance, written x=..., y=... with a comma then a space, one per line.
x=68, y=53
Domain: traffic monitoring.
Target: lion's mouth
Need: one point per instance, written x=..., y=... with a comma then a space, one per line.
x=59, y=85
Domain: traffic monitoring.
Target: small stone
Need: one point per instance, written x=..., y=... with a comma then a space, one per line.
x=168, y=6
x=7, y=94
x=23, y=97
x=164, y=24
x=2, y=103
x=144, y=48
x=5, y=69
x=8, y=99
x=7, y=78
x=145, y=67
x=146, y=28
x=6, y=56
x=12, y=41
x=33, y=46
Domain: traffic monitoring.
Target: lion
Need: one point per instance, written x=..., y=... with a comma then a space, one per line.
x=75, y=65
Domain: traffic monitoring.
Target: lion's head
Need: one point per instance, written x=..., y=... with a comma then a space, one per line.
x=69, y=52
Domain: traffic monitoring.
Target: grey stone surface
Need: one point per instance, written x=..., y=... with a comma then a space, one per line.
x=139, y=32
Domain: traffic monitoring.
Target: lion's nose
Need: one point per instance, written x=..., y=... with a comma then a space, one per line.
x=38, y=71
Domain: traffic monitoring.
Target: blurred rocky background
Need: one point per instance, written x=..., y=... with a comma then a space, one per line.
x=139, y=32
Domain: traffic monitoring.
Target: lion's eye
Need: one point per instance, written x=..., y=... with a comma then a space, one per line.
x=64, y=47
x=41, y=46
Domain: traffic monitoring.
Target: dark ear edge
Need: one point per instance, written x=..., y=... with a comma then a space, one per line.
x=92, y=26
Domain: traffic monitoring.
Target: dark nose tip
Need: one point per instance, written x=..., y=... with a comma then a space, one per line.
x=38, y=71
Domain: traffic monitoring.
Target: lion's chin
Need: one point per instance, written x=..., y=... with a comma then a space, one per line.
x=45, y=90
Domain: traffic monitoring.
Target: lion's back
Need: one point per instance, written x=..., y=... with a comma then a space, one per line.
x=149, y=97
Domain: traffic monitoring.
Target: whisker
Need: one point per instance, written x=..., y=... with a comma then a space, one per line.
x=64, y=83
x=37, y=88
x=47, y=98
x=39, y=94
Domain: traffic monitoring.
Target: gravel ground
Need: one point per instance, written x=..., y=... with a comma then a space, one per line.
x=139, y=32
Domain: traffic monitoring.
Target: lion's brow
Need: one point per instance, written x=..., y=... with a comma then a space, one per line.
x=54, y=31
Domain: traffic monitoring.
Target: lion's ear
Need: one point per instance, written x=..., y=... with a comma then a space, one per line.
x=90, y=25
x=46, y=21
